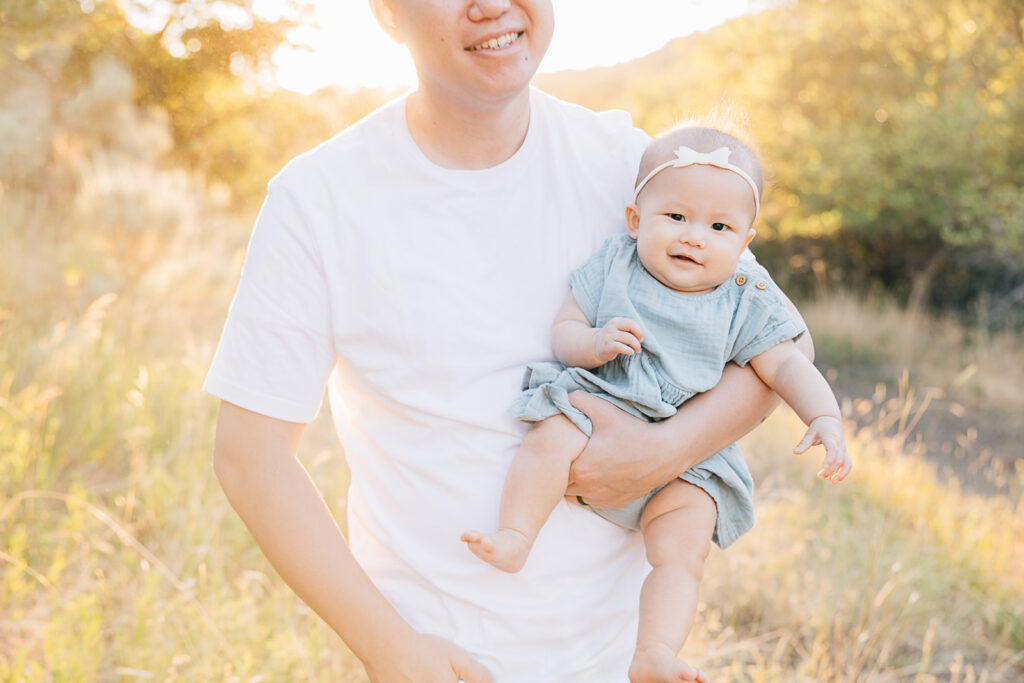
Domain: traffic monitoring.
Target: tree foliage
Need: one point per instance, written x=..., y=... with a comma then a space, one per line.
x=894, y=128
x=200, y=62
x=123, y=136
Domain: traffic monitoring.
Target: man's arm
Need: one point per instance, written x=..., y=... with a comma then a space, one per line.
x=255, y=462
x=627, y=457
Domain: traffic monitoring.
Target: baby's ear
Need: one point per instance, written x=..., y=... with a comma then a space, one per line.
x=750, y=236
x=632, y=220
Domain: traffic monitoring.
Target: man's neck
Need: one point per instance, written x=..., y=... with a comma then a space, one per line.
x=471, y=136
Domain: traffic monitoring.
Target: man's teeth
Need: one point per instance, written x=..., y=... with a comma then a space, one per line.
x=495, y=43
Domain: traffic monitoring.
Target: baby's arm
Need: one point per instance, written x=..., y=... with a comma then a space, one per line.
x=576, y=343
x=793, y=377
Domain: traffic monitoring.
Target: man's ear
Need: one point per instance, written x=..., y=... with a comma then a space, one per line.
x=385, y=15
x=632, y=220
x=750, y=236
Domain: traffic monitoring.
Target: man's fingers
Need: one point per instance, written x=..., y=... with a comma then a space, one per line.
x=592, y=406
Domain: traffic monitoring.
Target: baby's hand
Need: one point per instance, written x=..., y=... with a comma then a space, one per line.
x=828, y=431
x=619, y=335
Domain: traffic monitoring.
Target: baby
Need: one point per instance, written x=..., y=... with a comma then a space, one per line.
x=652, y=319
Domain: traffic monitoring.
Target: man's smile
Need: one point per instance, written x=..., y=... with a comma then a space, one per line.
x=497, y=43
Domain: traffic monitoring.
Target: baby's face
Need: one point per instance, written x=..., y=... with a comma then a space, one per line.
x=691, y=224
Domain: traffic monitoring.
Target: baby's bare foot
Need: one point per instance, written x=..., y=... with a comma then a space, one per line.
x=506, y=549
x=658, y=664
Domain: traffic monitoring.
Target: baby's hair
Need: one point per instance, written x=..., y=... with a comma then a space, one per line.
x=702, y=135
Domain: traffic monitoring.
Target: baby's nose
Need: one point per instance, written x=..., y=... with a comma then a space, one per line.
x=692, y=237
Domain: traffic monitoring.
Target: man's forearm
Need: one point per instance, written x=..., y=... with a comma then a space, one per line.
x=730, y=410
x=286, y=515
x=626, y=457
x=710, y=421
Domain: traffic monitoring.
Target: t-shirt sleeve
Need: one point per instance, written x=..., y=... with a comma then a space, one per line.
x=588, y=280
x=276, y=351
x=763, y=319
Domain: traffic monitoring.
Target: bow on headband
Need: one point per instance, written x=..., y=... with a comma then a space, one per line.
x=719, y=158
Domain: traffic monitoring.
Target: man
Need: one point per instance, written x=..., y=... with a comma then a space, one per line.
x=417, y=260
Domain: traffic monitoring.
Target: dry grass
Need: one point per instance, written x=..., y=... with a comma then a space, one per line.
x=892, y=575
x=973, y=365
x=122, y=559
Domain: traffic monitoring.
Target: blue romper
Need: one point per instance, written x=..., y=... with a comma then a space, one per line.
x=688, y=339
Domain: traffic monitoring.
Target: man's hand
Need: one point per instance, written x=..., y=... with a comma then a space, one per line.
x=427, y=659
x=618, y=463
x=618, y=335
x=827, y=430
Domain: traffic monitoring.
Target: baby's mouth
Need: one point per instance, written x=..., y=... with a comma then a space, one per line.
x=685, y=259
x=501, y=41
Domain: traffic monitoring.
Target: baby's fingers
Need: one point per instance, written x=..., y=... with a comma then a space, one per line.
x=629, y=326
x=837, y=461
x=811, y=438
x=622, y=341
x=842, y=471
x=629, y=341
x=625, y=346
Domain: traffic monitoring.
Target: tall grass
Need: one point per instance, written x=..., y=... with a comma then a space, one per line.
x=893, y=575
x=121, y=557
x=123, y=560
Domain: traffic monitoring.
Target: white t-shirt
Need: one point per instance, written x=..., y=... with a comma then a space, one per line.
x=422, y=292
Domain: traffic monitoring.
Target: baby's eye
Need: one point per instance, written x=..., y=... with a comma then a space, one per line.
x=719, y=227
x=676, y=217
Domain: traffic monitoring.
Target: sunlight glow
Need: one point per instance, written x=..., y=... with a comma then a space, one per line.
x=349, y=49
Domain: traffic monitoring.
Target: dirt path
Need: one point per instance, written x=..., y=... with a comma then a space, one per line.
x=982, y=446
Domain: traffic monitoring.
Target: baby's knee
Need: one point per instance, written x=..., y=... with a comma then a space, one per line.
x=694, y=557
x=679, y=526
x=686, y=555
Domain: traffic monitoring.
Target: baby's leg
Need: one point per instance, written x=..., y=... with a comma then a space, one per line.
x=677, y=523
x=534, y=485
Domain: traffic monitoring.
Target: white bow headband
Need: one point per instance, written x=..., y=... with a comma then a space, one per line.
x=719, y=158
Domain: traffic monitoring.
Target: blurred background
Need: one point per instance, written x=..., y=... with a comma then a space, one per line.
x=136, y=141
